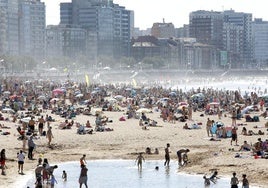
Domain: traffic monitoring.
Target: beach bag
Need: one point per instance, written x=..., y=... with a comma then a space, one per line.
x=256, y=118
x=248, y=119
x=122, y=119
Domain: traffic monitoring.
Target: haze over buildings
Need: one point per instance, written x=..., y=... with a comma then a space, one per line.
x=92, y=30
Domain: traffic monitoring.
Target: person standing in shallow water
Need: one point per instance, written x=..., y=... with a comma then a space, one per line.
x=83, y=176
x=64, y=175
x=179, y=154
x=139, y=159
x=234, y=181
x=245, y=183
x=167, y=156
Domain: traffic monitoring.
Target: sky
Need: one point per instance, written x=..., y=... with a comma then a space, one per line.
x=147, y=12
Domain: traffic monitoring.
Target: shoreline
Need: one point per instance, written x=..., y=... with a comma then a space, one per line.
x=123, y=144
x=128, y=138
x=30, y=175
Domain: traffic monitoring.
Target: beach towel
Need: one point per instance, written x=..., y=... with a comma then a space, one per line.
x=214, y=129
x=228, y=132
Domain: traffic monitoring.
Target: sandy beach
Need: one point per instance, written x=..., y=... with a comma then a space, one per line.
x=128, y=139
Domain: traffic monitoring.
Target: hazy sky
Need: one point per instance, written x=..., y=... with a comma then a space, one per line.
x=148, y=12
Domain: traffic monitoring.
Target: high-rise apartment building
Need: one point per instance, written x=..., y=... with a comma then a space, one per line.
x=32, y=27
x=22, y=26
x=207, y=27
x=233, y=43
x=9, y=38
x=12, y=27
x=111, y=23
x=228, y=31
x=3, y=27
x=163, y=30
x=64, y=40
x=244, y=21
x=260, y=42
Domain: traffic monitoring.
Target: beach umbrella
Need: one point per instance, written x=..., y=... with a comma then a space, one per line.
x=144, y=110
x=39, y=87
x=214, y=104
x=79, y=95
x=111, y=100
x=198, y=95
x=183, y=103
x=57, y=91
x=8, y=110
x=119, y=97
x=26, y=120
x=41, y=97
x=6, y=92
x=172, y=94
x=12, y=97
x=54, y=99
x=182, y=106
x=247, y=109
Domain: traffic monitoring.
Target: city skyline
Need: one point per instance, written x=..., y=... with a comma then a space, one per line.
x=169, y=10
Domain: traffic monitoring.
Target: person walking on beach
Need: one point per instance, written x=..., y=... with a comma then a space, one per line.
x=49, y=135
x=21, y=158
x=3, y=161
x=180, y=153
x=234, y=181
x=31, y=146
x=245, y=183
x=41, y=123
x=83, y=176
x=139, y=159
x=234, y=135
x=167, y=156
x=208, y=127
x=234, y=117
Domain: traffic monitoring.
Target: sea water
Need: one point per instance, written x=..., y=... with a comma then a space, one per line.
x=124, y=173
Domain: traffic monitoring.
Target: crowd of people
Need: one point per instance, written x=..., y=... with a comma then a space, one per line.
x=31, y=103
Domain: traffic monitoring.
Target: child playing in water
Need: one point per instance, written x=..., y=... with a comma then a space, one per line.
x=214, y=177
x=206, y=181
x=64, y=175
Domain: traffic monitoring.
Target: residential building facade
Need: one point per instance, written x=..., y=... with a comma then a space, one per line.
x=112, y=24
x=260, y=42
x=32, y=27
x=163, y=30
